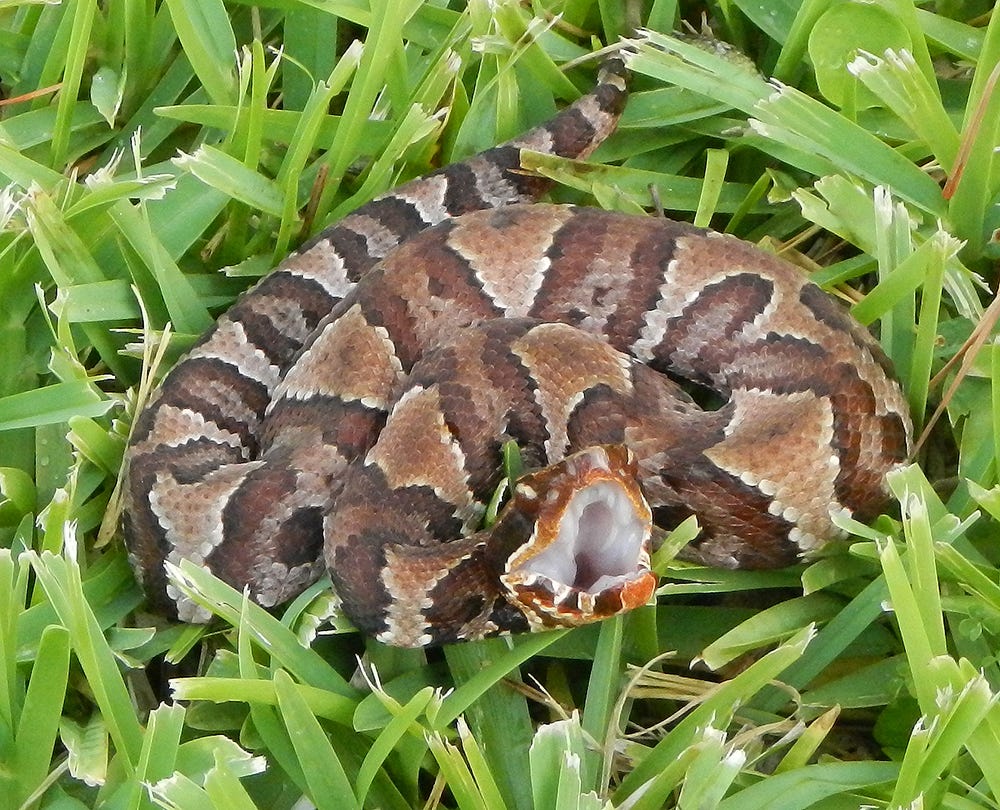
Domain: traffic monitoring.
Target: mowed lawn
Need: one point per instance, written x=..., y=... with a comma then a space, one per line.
x=157, y=158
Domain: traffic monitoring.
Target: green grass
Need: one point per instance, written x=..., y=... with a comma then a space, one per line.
x=154, y=161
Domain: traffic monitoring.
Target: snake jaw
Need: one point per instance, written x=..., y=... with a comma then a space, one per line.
x=588, y=556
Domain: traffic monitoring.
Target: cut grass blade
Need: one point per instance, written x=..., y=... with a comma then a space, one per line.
x=231, y=177
x=905, y=89
x=257, y=624
x=60, y=579
x=497, y=714
x=602, y=693
x=52, y=405
x=791, y=117
x=556, y=756
x=489, y=675
x=402, y=722
x=806, y=787
x=209, y=43
x=42, y=712
x=321, y=702
x=769, y=626
x=720, y=706
x=329, y=784
x=381, y=47
x=82, y=13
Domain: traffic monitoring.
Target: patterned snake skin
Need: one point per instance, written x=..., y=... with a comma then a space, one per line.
x=346, y=414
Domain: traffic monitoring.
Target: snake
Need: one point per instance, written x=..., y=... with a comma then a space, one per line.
x=346, y=416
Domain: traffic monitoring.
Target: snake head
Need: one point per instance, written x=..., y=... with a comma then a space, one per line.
x=587, y=557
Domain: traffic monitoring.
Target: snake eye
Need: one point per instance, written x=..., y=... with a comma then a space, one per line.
x=588, y=556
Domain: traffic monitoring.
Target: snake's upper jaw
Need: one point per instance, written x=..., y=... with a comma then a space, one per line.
x=588, y=555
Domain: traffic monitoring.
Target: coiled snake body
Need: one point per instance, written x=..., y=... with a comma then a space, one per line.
x=346, y=414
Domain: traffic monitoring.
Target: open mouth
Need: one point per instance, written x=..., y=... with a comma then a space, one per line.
x=588, y=556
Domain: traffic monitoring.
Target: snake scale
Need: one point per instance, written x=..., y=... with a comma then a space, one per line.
x=346, y=414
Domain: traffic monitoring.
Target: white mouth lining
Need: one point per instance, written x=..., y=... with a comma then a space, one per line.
x=599, y=541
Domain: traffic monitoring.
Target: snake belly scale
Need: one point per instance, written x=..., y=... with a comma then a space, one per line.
x=346, y=413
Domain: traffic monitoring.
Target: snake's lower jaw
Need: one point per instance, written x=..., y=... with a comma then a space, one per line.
x=588, y=556
x=549, y=604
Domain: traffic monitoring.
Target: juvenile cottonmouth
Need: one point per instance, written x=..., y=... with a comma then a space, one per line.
x=357, y=397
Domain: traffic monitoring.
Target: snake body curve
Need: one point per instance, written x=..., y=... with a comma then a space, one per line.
x=346, y=414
